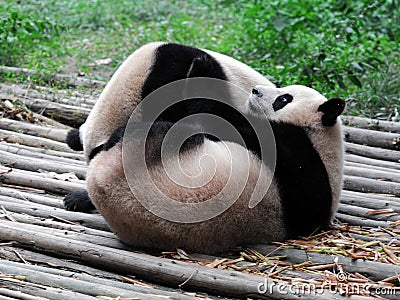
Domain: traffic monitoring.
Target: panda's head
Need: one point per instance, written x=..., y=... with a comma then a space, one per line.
x=294, y=104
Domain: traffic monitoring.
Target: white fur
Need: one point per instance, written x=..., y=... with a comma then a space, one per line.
x=138, y=227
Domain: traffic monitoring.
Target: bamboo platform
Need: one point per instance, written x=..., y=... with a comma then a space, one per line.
x=47, y=252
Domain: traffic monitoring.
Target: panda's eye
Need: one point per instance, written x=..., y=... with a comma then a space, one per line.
x=281, y=101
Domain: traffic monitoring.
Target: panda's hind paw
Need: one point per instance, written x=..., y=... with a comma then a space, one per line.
x=78, y=201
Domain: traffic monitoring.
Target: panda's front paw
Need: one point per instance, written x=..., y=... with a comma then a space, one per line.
x=78, y=201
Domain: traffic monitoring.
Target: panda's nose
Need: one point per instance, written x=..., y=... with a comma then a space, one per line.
x=256, y=92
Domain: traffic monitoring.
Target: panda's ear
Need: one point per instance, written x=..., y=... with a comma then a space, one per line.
x=73, y=140
x=331, y=109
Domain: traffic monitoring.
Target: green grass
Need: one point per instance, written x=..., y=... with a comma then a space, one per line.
x=342, y=48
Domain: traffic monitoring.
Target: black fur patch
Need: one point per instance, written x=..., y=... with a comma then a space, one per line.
x=331, y=109
x=96, y=151
x=204, y=66
x=156, y=136
x=174, y=62
x=303, y=181
x=281, y=101
x=117, y=136
x=73, y=140
x=114, y=139
x=78, y=201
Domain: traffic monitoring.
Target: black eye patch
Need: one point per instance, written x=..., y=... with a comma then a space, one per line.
x=281, y=101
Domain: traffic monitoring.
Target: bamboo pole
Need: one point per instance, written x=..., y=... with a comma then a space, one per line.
x=15, y=92
x=83, y=283
x=13, y=288
x=75, y=97
x=36, y=116
x=372, y=174
x=357, y=221
x=29, y=164
x=369, y=167
x=111, y=241
x=49, y=200
x=371, y=124
x=74, y=155
x=55, y=134
x=29, y=140
x=171, y=273
x=367, y=185
x=74, y=102
x=17, y=149
x=94, y=221
x=373, y=152
x=371, y=161
x=367, y=238
x=376, y=197
x=8, y=293
x=62, y=224
x=362, y=212
x=370, y=203
x=66, y=114
x=86, y=284
x=372, y=138
x=39, y=199
x=48, y=121
x=42, y=174
x=10, y=254
x=34, y=180
x=71, y=115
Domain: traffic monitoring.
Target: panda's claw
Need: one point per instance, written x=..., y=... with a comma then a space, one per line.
x=78, y=201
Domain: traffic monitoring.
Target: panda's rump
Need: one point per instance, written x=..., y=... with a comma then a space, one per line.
x=137, y=226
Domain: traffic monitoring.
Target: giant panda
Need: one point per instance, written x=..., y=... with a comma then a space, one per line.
x=150, y=67
x=302, y=196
